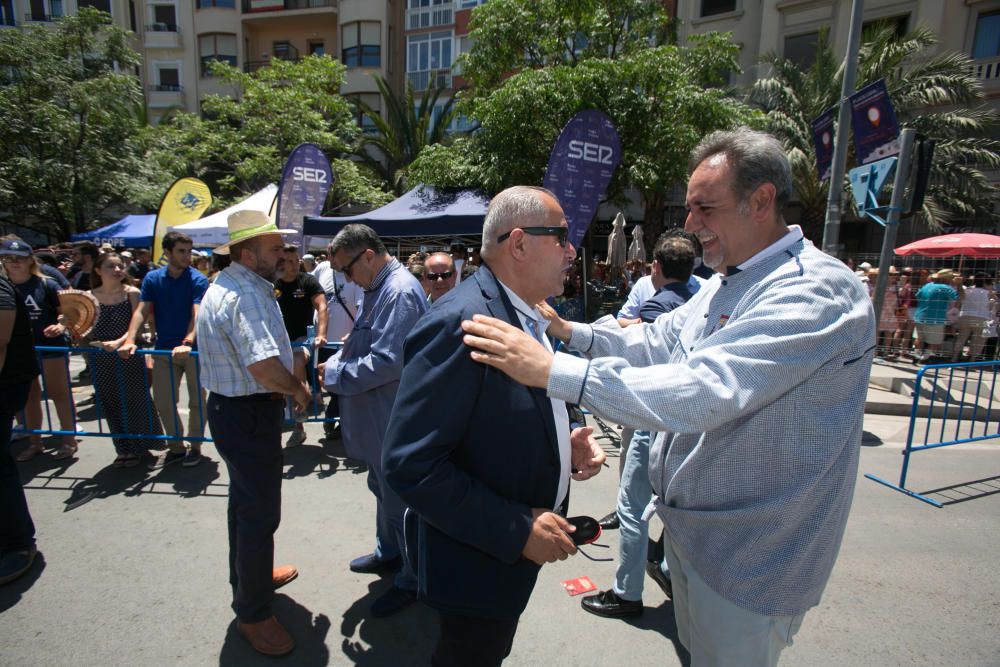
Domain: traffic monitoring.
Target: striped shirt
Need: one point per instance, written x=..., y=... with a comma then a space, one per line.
x=239, y=323
x=757, y=388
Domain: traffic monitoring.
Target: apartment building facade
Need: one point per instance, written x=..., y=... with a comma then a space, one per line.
x=180, y=38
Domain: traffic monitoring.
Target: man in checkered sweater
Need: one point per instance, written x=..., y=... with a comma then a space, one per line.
x=756, y=387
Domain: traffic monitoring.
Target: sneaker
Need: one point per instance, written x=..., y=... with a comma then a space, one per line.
x=165, y=459
x=16, y=563
x=191, y=459
x=297, y=437
x=331, y=430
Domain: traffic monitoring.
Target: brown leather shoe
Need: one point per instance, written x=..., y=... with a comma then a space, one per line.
x=267, y=637
x=283, y=575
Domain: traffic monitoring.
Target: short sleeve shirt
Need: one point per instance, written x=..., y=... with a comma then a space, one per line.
x=239, y=323
x=20, y=364
x=296, y=302
x=40, y=297
x=172, y=299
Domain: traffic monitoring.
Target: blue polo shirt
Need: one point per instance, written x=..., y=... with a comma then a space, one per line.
x=172, y=299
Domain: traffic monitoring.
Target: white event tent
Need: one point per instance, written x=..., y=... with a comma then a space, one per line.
x=212, y=230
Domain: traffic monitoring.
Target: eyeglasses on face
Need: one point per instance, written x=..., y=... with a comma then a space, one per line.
x=347, y=268
x=444, y=275
x=561, y=233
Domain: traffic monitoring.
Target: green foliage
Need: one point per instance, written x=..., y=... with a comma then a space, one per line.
x=515, y=34
x=401, y=136
x=659, y=99
x=937, y=95
x=69, y=109
x=242, y=143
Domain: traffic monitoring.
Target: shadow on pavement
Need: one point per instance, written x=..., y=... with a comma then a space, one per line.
x=661, y=620
x=406, y=638
x=966, y=491
x=11, y=594
x=309, y=632
x=869, y=439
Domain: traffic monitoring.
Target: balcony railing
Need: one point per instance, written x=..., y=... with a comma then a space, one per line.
x=34, y=17
x=255, y=6
x=163, y=27
x=987, y=70
x=252, y=66
x=419, y=80
x=166, y=88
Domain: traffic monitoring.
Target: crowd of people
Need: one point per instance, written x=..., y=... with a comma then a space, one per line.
x=738, y=364
x=934, y=316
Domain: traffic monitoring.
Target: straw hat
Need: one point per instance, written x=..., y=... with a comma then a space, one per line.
x=247, y=224
x=944, y=274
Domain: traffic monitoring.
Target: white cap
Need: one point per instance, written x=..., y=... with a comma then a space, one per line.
x=864, y=265
x=308, y=256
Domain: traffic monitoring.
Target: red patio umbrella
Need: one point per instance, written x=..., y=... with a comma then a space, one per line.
x=953, y=245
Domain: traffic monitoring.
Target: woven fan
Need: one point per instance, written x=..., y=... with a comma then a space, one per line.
x=79, y=311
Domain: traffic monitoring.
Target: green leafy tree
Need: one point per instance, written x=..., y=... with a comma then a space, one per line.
x=242, y=142
x=936, y=95
x=408, y=127
x=68, y=146
x=511, y=35
x=660, y=100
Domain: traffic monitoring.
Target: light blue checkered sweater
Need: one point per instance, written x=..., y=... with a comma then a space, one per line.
x=757, y=387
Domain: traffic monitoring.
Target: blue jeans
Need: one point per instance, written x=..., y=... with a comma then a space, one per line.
x=634, y=494
x=389, y=541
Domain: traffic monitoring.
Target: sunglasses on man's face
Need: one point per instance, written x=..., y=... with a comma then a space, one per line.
x=347, y=268
x=433, y=277
x=561, y=233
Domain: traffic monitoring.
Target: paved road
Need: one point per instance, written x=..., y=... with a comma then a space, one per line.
x=133, y=572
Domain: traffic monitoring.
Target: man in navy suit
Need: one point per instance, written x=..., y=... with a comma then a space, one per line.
x=484, y=467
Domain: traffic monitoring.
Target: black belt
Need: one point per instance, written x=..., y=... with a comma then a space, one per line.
x=253, y=398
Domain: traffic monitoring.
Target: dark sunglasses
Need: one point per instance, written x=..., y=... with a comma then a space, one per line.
x=347, y=269
x=442, y=276
x=562, y=233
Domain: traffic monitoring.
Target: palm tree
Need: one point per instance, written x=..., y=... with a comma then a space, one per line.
x=409, y=125
x=936, y=95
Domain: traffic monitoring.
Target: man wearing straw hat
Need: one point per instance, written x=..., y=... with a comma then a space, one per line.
x=246, y=365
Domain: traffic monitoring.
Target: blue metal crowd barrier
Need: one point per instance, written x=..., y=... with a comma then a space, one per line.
x=957, y=403
x=315, y=411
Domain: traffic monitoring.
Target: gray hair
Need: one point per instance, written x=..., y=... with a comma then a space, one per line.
x=754, y=157
x=355, y=238
x=516, y=206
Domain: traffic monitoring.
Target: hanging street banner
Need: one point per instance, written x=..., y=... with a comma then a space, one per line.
x=822, y=129
x=184, y=202
x=304, y=185
x=580, y=167
x=876, y=130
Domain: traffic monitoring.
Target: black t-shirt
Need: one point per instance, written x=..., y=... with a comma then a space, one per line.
x=138, y=271
x=40, y=297
x=296, y=302
x=20, y=364
x=80, y=280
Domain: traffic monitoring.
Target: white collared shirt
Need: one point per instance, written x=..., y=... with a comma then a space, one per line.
x=791, y=237
x=559, y=414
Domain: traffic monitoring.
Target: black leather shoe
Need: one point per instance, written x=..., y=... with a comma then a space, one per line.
x=392, y=601
x=369, y=564
x=610, y=522
x=608, y=604
x=660, y=577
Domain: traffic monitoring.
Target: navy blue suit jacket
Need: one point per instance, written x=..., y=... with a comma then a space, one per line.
x=470, y=451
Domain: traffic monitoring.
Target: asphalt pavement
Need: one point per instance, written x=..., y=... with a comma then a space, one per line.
x=133, y=570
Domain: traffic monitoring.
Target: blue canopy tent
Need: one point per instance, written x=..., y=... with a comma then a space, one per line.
x=132, y=231
x=421, y=212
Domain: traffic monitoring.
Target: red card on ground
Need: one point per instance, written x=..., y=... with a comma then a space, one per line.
x=579, y=585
